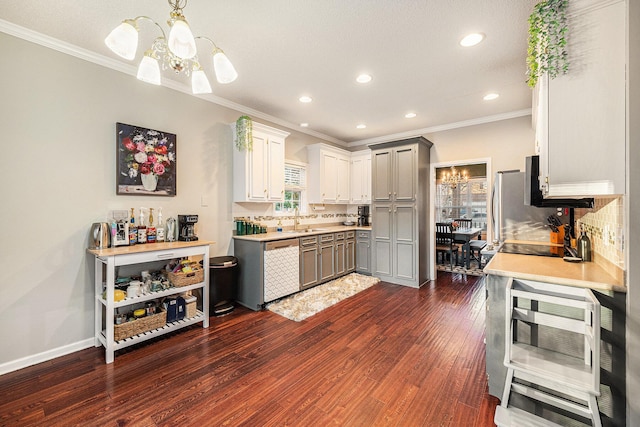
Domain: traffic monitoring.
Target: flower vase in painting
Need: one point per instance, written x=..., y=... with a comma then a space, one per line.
x=146, y=161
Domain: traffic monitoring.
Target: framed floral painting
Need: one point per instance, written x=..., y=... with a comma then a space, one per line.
x=146, y=161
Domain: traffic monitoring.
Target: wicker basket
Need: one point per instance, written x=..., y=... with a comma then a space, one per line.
x=191, y=310
x=138, y=326
x=185, y=279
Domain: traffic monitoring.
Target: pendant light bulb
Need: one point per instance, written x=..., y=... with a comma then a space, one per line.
x=123, y=40
x=199, y=82
x=149, y=69
x=225, y=72
x=181, y=41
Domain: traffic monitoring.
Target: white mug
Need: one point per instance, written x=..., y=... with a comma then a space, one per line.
x=133, y=290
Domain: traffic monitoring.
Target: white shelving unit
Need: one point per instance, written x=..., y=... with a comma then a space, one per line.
x=106, y=262
x=559, y=378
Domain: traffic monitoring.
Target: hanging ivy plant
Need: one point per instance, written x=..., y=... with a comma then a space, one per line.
x=547, y=51
x=244, y=133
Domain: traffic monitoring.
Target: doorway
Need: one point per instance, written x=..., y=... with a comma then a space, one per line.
x=467, y=195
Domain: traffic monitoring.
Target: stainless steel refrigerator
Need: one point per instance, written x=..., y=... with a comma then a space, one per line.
x=511, y=218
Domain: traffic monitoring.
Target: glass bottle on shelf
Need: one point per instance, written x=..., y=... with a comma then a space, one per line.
x=142, y=229
x=133, y=230
x=160, y=228
x=151, y=229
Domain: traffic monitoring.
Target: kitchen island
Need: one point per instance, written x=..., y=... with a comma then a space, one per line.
x=609, y=290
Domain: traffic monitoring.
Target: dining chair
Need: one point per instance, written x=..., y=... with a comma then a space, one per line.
x=463, y=222
x=445, y=244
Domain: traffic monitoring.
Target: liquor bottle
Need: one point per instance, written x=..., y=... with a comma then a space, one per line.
x=133, y=230
x=151, y=229
x=160, y=228
x=142, y=229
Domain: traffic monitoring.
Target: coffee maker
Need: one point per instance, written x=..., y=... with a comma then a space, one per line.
x=363, y=215
x=187, y=228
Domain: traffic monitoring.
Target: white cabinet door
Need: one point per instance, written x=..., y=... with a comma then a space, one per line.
x=258, y=174
x=361, y=178
x=329, y=174
x=275, y=168
x=257, y=169
x=343, y=179
x=329, y=177
x=585, y=149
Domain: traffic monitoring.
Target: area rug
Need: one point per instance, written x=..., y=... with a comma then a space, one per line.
x=307, y=303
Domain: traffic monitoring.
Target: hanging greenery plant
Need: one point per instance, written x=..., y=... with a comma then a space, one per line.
x=244, y=133
x=547, y=41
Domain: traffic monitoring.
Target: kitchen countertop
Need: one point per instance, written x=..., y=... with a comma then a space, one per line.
x=555, y=270
x=289, y=234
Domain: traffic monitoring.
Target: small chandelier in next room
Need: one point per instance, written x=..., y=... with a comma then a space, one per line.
x=453, y=178
x=178, y=52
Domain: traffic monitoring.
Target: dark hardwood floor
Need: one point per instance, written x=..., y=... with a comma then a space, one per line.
x=390, y=355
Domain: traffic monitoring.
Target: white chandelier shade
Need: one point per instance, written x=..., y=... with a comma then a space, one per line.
x=200, y=83
x=177, y=52
x=181, y=41
x=123, y=40
x=225, y=72
x=149, y=69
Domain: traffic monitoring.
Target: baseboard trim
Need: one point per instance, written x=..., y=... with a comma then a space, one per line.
x=45, y=356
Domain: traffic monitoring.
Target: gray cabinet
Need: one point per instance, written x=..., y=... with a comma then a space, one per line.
x=308, y=262
x=326, y=258
x=340, y=255
x=363, y=251
x=350, y=251
x=401, y=232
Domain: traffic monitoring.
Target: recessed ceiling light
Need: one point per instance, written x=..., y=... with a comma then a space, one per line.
x=410, y=115
x=305, y=99
x=363, y=78
x=361, y=126
x=471, y=39
x=490, y=96
x=304, y=125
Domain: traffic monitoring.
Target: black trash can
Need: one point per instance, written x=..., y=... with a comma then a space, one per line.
x=223, y=284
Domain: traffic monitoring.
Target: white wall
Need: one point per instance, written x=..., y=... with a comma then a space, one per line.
x=57, y=165
x=507, y=143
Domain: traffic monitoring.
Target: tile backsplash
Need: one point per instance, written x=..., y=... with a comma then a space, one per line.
x=604, y=225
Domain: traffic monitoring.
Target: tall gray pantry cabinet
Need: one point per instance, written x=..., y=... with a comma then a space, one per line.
x=400, y=211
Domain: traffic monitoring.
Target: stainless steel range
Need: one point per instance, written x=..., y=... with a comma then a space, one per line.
x=532, y=249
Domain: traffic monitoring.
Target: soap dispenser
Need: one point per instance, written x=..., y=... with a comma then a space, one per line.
x=584, y=246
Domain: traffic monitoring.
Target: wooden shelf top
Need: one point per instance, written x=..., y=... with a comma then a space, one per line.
x=147, y=247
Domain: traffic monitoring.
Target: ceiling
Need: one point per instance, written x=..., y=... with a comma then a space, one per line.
x=284, y=49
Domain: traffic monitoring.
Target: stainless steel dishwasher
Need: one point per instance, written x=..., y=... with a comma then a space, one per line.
x=281, y=269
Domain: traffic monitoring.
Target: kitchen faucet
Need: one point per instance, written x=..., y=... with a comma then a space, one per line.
x=296, y=220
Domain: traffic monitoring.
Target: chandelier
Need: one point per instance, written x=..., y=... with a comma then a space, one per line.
x=178, y=52
x=453, y=178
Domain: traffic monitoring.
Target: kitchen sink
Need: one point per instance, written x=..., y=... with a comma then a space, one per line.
x=306, y=230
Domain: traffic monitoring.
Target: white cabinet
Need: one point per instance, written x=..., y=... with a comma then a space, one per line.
x=580, y=129
x=107, y=262
x=258, y=175
x=361, y=177
x=329, y=175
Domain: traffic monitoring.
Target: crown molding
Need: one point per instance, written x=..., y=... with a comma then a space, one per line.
x=114, y=64
x=441, y=128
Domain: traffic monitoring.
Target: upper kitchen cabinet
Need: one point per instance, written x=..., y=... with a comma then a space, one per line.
x=580, y=128
x=328, y=174
x=361, y=177
x=258, y=174
x=394, y=174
